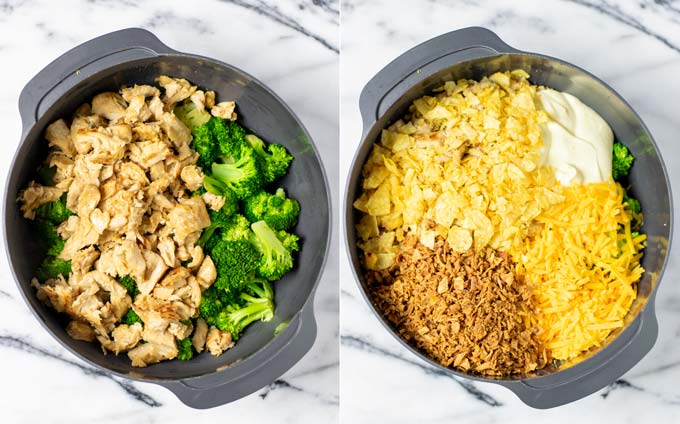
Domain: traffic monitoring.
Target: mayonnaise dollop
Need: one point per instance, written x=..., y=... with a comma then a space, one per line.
x=578, y=142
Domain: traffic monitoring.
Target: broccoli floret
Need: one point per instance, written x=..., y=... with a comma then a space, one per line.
x=205, y=144
x=236, y=262
x=240, y=173
x=257, y=303
x=278, y=211
x=632, y=205
x=185, y=348
x=276, y=259
x=52, y=267
x=130, y=285
x=289, y=240
x=230, y=136
x=48, y=237
x=55, y=211
x=131, y=317
x=276, y=159
x=191, y=116
x=622, y=160
x=218, y=219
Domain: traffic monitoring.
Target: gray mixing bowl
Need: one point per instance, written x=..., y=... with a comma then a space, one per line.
x=136, y=56
x=477, y=52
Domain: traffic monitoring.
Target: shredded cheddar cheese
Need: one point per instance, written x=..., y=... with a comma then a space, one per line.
x=583, y=268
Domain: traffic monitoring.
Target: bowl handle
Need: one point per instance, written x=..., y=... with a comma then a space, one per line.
x=604, y=368
x=82, y=62
x=420, y=62
x=286, y=350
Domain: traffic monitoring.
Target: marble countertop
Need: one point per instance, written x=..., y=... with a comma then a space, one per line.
x=634, y=47
x=47, y=384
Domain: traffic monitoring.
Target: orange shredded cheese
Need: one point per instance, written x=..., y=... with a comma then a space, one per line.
x=584, y=265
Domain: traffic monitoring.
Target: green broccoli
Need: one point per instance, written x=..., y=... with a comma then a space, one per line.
x=236, y=262
x=632, y=205
x=276, y=159
x=622, y=160
x=218, y=219
x=190, y=115
x=230, y=136
x=52, y=267
x=257, y=303
x=289, y=240
x=130, y=285
x=205, y=144
x=185, y=348
x=55, y=211
x=131, y=317
x=278, y=211
x=277, y=260
x=240, y=173
x=48, y=237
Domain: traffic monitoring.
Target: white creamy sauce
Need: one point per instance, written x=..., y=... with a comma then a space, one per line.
x=578, y=142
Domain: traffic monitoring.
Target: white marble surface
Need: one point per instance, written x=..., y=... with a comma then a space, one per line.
x=293, y=48
x=632, y=45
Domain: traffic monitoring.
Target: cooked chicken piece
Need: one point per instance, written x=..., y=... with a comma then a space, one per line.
x=83, y=110
x=150, y=222
x=106, y=172
x=218, y=341
x=177, y=132
x=213, y=201
x=158, y=186
x=181, y=288
x=68, y=227
x=209, y=99
x=109, y=105
x=192, y=177
x=166, y=247
x=180, y=330
x=187, y=217
x=151, y=353
x=157, y=171
x=63, y=170
x=80, y=331
x=207, y=273
x=200, y=334
x=110, y=144
x=35, y=195
x=118, y=297
x=148, y=131
x=157, y=107
x=85, y=123
x=58, y=134
x=83, y=260
x=125, y=337
x=129, y=93
x=130, y=260
x=100, y=220
x=86, y=171
x=137, y=110
x=88, y=200
x=176, y=89
x=84, y=235
x=196, y=253
x=148, y=153
x=224, y=110
x=55, y=292
x=162, y=203
x=133, y=173
x=155, y=268
x=198, y=99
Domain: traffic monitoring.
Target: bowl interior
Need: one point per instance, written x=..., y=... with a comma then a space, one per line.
x=648, y=180
x=260, y=111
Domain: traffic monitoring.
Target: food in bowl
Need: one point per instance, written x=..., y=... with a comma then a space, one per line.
x=496, y=235
x=161, y=229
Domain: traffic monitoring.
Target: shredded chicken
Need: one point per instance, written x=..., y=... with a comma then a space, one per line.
x=126, y=168
x=218, y=341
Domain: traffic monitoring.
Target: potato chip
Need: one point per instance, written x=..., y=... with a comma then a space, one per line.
x=427, y=238
x=445, y=209
x=375, y=177
x=459, y=239
x=379, y=202
x=367, y=227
